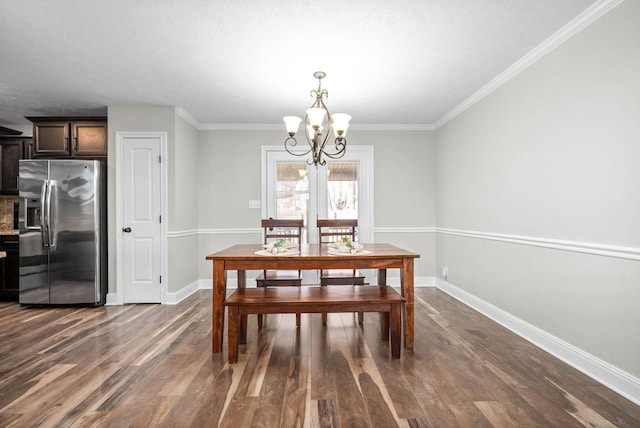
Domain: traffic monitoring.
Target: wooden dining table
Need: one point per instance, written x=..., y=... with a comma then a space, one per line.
x=243, y=257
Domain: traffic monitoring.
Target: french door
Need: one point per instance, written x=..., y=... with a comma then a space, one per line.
x=343, y=188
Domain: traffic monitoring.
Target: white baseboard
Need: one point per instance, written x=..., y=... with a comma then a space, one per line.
x=173, y=298
x=112, y=299
x=613, y=378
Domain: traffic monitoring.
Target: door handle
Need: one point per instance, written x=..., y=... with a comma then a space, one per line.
x=126, y=229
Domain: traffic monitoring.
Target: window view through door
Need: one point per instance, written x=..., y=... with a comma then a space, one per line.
x=292, y=193
x=342, y=190
x=336, y=192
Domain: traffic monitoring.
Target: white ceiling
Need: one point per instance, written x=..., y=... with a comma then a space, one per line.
x=237, y=62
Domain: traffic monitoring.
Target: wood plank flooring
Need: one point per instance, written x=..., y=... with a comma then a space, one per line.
x=151, y=365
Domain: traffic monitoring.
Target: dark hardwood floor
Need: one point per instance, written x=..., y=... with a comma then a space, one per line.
x=151, y=365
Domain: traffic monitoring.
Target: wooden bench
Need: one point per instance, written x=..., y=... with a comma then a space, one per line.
x=329, y=299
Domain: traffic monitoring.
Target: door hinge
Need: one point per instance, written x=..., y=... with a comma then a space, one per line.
x=159, y=158
x=160, y=219
x=160, y=279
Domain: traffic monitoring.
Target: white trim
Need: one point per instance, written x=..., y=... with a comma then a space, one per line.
x=184, y=114
x=173, y=298
x=392, y=127
x=183, y=233
x=404, y=230
x=280, y=127
x=112, y=299
x=251, y=230
x=629, y=253
x=617, y=380
x=592, y=13
x=120, y=137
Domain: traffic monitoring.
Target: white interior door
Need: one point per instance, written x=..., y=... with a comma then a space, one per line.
x=141, y=233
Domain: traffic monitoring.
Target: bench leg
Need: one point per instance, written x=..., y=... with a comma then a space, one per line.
x=396, y=329
x=234, y=319
x=384, y=326
x=260, y=320
x=242, y=283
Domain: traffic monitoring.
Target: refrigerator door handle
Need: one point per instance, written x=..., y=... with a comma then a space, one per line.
x=43, y=216
x=50, y=238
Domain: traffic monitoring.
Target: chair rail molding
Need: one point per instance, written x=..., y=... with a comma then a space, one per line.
x=630, y=253
x=419, y=229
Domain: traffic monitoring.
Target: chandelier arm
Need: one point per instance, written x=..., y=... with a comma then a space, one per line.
x=291, y=142
x=340, y=146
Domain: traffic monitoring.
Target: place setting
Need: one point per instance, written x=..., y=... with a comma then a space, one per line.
x=346, y=247
x=281, y=247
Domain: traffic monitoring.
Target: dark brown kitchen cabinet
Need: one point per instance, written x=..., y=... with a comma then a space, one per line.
x=12, y=149
x=9, y=265
x=69, y=137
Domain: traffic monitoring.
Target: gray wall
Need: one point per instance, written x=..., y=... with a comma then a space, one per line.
x=229, y=175
x=181, y=192
x=553, y=154
x=182, y=208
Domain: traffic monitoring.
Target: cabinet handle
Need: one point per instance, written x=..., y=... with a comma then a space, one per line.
x=75, y=144
x=66, y=143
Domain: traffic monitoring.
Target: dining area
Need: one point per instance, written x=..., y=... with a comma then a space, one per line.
x=336, y=256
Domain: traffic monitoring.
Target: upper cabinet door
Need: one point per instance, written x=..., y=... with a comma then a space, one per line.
x=89, y=138
x=51, y=138
x=69, y=137
x=10, y=155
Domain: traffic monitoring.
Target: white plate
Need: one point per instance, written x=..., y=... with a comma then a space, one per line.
x=339, y=244
x=335, y=252
x=284, y=253
x=287, y=244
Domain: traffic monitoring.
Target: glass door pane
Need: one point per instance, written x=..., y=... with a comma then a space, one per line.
x=342, y=190
x=292, y=193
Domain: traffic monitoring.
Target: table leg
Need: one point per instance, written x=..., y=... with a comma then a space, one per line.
x=217, y=311
x=406, y=281
x=384, y=316
x=382, y=277
x=242, y=283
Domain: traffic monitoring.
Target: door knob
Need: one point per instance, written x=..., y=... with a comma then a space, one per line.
x=126, y=229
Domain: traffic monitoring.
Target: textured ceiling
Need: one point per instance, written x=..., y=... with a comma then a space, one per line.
x=236, y=62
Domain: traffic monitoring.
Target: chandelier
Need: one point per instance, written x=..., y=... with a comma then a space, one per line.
x=314, y=123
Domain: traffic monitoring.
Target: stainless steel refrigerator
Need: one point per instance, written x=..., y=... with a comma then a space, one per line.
x=62, y=221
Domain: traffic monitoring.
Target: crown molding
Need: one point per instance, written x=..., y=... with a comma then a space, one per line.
x=591, y=14
x=181, y=112
x=280, y=127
